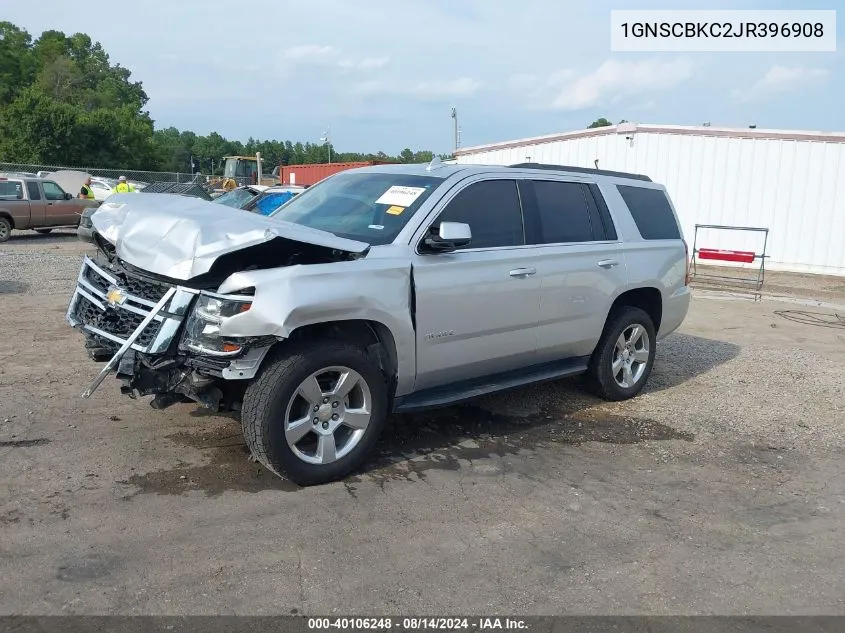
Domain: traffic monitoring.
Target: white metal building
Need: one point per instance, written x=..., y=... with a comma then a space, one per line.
x=791, y=182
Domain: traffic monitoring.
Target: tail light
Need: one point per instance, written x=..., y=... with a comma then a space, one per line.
x=687, y=278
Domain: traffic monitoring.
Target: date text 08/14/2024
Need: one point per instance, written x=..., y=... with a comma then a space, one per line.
x=417, y=624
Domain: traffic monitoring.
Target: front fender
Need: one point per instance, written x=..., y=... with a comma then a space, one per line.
x=297, y=296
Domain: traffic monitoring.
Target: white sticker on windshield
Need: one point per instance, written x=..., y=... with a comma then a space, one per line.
x=401, y=196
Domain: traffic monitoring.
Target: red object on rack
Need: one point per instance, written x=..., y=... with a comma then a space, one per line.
x=745, y=257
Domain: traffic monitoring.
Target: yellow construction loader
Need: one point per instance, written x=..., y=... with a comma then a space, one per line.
x=244, y=170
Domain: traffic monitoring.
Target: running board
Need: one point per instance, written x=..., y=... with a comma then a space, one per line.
x=469, y=390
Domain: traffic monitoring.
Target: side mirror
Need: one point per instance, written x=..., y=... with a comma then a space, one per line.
x=68, y=196
x=449, y=237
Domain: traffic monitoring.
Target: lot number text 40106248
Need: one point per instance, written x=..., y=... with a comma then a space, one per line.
x=418, y=624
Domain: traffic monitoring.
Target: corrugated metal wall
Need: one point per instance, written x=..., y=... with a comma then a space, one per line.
x=794, y=188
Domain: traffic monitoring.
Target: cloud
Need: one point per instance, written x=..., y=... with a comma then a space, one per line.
x=310, y=52
x=423, y=90
x=368, y=63
x=615, y=79
x=781, y=79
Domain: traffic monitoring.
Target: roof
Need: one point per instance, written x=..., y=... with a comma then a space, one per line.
x=688, y=130
x=444, y=171
x=283, y=188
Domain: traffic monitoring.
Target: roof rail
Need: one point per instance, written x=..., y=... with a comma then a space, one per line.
x=582, y=170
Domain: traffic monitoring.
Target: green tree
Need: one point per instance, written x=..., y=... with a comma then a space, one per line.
x=64, y=103
x=602, y=122
x=17, y=65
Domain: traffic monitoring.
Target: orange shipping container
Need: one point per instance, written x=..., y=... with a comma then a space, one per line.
x=307, y=175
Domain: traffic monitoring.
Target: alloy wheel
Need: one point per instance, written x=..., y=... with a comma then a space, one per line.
x=328, y=415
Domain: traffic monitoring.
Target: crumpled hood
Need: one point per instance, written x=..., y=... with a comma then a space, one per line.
x=180, y=237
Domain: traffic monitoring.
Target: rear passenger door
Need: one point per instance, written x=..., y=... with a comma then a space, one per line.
x=579, y=263
x=477, y=308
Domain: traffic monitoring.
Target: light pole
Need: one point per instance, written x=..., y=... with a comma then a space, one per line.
x=326, y=138
x=455, y=117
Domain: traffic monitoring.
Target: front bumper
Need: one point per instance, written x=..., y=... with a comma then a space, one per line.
x=136, y=323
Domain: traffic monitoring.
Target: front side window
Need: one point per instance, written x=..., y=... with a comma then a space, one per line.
x=369, y=207
x=493, y=212
x=52, y=191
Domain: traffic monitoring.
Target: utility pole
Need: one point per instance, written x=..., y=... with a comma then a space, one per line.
x=457, y=138
x=328, y=141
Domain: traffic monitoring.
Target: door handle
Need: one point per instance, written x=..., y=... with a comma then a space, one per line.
x=522, y=272
x=608, y=263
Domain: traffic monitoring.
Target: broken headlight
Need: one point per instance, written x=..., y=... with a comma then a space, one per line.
x=202, y=330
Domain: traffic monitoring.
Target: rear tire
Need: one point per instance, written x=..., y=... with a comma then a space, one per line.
x=5, y=229
x=624, y=356
x=44, y=231
x=315, y=411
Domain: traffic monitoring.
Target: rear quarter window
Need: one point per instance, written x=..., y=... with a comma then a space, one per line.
x=651, y=211
x=11, y=190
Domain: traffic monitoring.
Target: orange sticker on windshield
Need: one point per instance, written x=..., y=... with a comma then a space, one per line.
x=394, y=210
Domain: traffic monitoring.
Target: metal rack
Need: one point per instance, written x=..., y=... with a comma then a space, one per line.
x=744, y=257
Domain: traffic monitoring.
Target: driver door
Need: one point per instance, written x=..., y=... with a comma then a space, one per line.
x=60, y=212
x=477, y=309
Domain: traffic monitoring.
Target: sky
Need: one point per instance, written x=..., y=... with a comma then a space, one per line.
x=383, y=75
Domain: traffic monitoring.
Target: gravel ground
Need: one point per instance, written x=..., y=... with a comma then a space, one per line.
x=718, y=491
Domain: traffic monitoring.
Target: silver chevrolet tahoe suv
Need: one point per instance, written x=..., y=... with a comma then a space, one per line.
x=382, y=289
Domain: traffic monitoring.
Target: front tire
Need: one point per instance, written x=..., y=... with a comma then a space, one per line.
x=624, y=356
x=315, y=411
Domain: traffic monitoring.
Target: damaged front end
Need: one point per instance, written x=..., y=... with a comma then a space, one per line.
x=161, y=338
x=149, y=305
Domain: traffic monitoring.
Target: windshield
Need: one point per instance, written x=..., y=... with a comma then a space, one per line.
x=368, y=207
x=237, y=198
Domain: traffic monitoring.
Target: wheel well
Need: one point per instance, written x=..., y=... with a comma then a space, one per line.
x=372, y=336
x=8, y=217
x=649, y=300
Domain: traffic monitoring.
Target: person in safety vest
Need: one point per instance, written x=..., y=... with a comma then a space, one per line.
x=86, y=192
x=123, y=186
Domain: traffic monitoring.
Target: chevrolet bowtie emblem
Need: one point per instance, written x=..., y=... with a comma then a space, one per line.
x=115, y=296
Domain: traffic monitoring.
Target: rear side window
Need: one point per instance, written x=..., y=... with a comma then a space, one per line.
x=34, y=193
x=492, y=210
x=564, y=216
x=651, y=211
x=11, y=190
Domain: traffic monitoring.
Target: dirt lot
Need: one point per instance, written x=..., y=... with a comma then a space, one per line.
x=719, y=490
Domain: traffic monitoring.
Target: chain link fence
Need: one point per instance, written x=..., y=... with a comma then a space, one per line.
x=134, y=176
